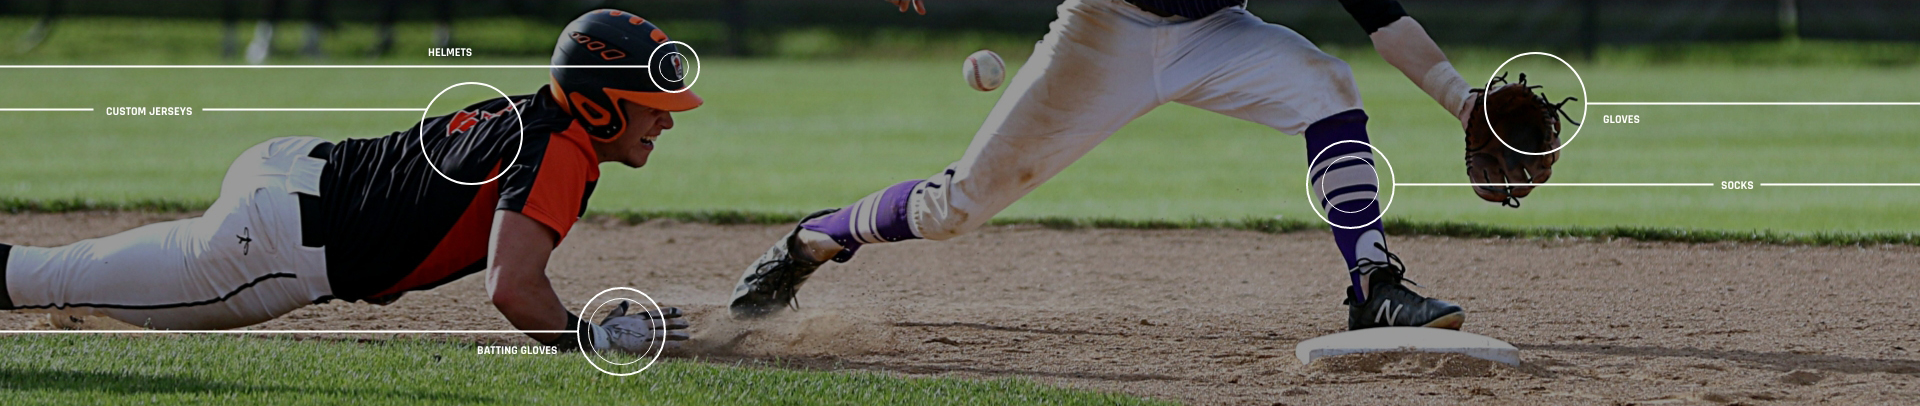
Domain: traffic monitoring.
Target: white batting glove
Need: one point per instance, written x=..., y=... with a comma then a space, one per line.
x=638, y=333
x=917, y=5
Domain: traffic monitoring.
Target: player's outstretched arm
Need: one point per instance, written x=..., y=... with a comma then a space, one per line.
x=1406, y=46
x=517, y=282
x=919, y=6
x=517, y=275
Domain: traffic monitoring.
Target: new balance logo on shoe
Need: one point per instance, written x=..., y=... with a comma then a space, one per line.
x=1386, y=317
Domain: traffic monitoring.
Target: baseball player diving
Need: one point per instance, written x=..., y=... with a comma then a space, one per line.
x=1106, y=62
x=301, y=220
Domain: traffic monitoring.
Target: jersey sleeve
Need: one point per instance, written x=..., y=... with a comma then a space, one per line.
x=551, y=183
x=1373, y=14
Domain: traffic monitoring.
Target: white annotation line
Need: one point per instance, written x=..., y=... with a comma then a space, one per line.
x=313, y=109
x=1753, y=103
x=320, y=66
x=286, y=331
x=46, y=109
x=1842, y=184
x=1558, y=184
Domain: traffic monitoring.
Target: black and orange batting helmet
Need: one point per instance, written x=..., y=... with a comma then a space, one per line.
x=589, y=80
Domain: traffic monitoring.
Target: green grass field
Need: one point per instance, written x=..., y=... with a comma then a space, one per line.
x=788, y=136
x=233, y=370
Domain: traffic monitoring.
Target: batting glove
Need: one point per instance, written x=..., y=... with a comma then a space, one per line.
x=640, y=333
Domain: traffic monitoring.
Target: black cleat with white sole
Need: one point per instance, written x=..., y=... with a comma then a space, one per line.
x=1390, y=303
x=771, y=283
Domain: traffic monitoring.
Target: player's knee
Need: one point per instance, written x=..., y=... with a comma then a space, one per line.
x=1336, y=73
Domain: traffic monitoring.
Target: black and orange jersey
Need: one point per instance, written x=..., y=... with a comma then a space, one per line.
x=391, y=223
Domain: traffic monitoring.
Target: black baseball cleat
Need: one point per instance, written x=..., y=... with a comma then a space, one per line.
x=770, y=284
x=1391, y=303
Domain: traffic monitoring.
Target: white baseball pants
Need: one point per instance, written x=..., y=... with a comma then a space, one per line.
x=241, y=263
x=1106, y=62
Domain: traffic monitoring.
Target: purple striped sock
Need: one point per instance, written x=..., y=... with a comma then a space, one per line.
x=1343, y=176
x=881, y=217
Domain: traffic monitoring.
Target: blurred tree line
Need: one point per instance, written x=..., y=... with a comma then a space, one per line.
x=783, y=27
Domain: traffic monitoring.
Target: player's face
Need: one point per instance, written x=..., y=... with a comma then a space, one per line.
x=643, y=127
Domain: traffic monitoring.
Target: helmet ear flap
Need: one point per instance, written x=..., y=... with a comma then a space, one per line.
x=588, y=110
x=611, y=132
x=602, y=123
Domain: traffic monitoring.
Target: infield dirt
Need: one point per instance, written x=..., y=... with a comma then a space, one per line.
x=1211, y=316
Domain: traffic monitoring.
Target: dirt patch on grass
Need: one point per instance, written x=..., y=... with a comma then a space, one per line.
x=1211, y=316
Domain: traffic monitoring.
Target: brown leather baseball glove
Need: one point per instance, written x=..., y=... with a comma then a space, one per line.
x=1527, y=122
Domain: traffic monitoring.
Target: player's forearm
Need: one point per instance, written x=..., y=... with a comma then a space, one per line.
x=531, y=305
x=517, y=275
x=1406, y=46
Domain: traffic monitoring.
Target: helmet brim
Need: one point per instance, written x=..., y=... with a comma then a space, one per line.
x=663, y=101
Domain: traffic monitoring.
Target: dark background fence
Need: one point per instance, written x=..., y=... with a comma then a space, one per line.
x=740, y=24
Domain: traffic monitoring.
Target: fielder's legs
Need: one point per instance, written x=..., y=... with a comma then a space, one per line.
x=1235, y=64
x=1083, y=82
x=240, y=264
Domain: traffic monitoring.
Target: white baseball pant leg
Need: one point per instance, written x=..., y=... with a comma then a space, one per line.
x=1105, y=63
x=239, y=264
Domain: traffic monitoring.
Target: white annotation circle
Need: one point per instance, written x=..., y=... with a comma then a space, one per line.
x=1583, y=104
x=590, y=354
x=516, y=150
x=697, y=67
x=1392, y=179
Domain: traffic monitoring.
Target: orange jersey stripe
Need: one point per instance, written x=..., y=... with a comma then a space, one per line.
x=464, y=245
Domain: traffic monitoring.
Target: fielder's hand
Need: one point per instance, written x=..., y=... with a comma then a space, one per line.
x=917, y=5
x=640, y=333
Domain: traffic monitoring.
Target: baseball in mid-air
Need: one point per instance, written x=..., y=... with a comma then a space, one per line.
x=984, y=70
